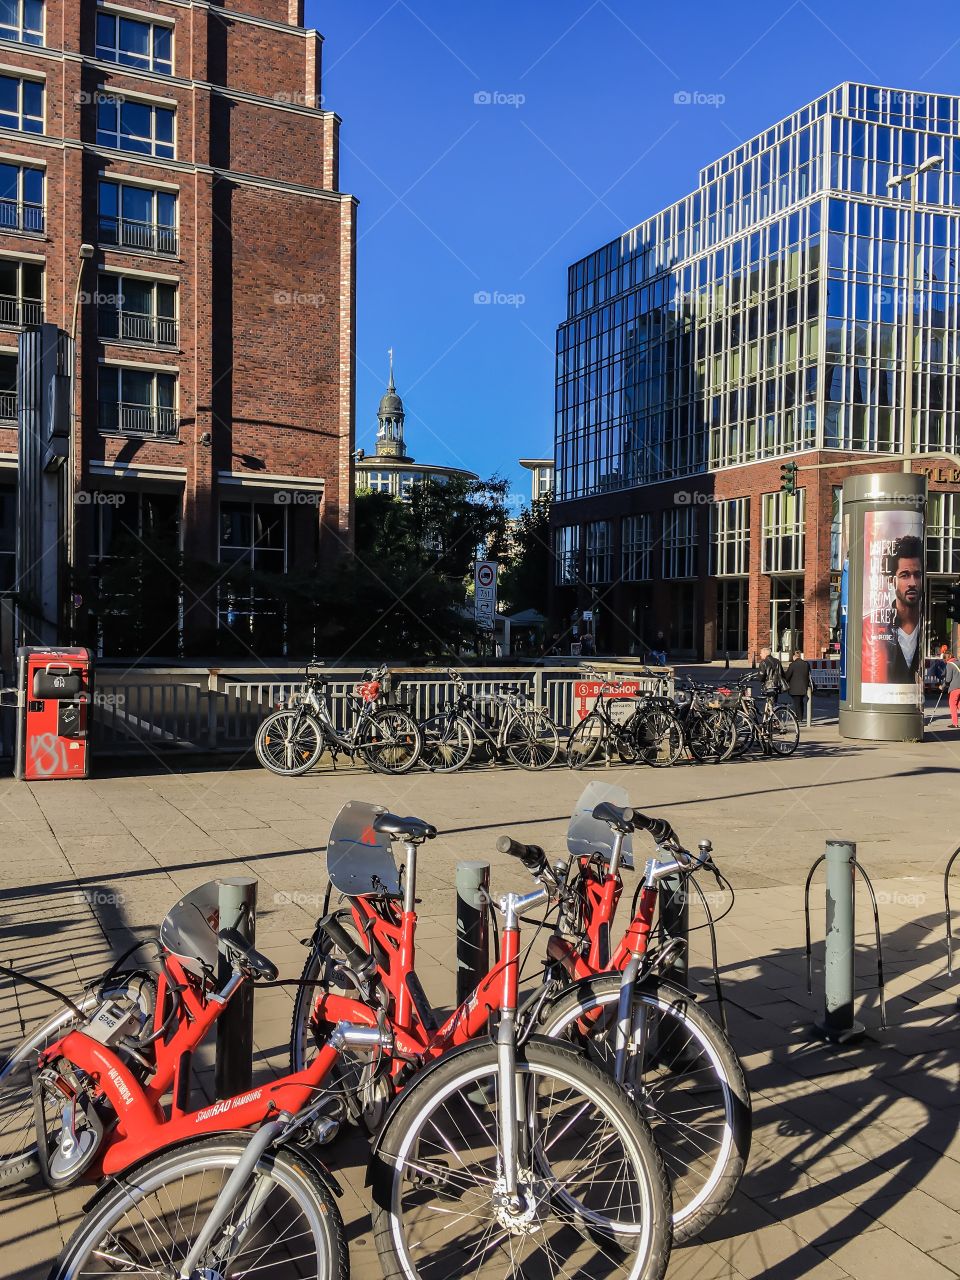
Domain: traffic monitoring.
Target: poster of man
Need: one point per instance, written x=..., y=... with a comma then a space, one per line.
x=892, y=638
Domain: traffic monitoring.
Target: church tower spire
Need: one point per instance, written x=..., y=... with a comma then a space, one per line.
x=390, y=443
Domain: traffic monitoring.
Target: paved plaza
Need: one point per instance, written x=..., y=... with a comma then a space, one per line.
x=855, y=1165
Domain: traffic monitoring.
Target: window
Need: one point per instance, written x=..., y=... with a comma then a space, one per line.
x=730, y=538
x=836, y=528
x=783, y=532
x=8, y=388
x=943, y=533
x=22, y=20
x=134, y=310
x=599, y=542
x=566, y=547
x=147, y=45
x=21, y=198
x=379, y=482
x=253, y=535
x=21, y=293
x=635, y=547
x=134, y=126
x=8, y=537
x=680, y=543
x=137, y=217
x=21, y=104
x=138, y=402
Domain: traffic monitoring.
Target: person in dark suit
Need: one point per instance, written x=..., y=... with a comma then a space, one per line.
x=797, y=677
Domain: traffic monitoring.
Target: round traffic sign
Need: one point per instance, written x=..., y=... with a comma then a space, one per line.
x=485, y=575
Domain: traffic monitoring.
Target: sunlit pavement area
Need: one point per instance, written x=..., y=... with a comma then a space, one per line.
x=855, y=1166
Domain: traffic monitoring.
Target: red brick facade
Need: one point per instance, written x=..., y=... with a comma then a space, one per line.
x=264, y=263
x=632, y=616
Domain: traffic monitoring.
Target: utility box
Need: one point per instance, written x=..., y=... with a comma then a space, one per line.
x=55, y=698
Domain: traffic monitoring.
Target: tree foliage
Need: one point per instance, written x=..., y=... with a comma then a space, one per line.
x=525, y=583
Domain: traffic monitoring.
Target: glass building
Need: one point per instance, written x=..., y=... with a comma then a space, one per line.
x=761, y=317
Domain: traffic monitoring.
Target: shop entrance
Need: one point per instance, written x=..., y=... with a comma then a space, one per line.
x=786, y=615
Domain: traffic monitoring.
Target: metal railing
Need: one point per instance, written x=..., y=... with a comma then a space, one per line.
x=17, y=313
x=8, y=406
x=139, y=420
x=128, y=233
x=201, y=710
x=138, y=326
x=20, y=215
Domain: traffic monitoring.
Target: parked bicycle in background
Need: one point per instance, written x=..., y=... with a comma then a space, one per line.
x=292, y=740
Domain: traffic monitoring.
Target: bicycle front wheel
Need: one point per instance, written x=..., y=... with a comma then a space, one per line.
x=585, y=741
x=289, y=743
x=531, y=740
x=743, y=723
x=390, y=741
x=146, y=1224
x=447, y=743
x=683, y=1074
x=592, y=1196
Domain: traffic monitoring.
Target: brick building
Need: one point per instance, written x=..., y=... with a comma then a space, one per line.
x=760, y=319
x=188, y=145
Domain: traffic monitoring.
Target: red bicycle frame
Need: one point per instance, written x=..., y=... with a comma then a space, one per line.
x=143, y=1127
x=393, y=943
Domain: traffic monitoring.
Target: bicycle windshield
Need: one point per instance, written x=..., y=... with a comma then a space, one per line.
x=587, y=834
x=360, y=860
x=189, y=929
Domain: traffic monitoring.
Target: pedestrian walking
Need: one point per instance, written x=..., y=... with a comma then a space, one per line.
x=799, y=681
x=951, y=685
x=938, y=667
x=771, y=677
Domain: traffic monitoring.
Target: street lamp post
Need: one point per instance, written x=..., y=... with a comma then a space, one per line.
x=932, y=162
x=86, y=252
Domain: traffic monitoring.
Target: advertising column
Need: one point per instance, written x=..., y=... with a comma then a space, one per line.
x=881, y=691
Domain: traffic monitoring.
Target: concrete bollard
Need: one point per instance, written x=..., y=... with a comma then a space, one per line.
x=839, y=1024
x=234, y=1067
x=473, y=929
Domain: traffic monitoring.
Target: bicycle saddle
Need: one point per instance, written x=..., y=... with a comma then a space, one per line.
x=412, y=829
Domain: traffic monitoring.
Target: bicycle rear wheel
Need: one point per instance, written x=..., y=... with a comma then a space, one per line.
x=289, y=743
x=146, y=1224
x=447, y=743
x=593, y=1196
x=532, y=740
x=783, y=731
x=658, y=734
x=585, y=741
x=746, y=732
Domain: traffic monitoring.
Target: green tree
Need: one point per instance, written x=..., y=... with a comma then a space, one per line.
x=525, y=583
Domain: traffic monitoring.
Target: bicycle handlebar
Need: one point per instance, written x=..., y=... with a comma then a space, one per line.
x=531, y=855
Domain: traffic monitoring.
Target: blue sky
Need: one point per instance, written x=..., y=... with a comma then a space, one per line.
x=492, y=144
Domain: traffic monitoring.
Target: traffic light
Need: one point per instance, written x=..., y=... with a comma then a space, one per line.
x=788, y=477
x=953, y=602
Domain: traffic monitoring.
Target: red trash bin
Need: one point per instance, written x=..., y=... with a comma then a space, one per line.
x=55, y=689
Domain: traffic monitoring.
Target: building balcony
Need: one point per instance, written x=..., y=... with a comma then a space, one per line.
x=148, y=237
x=142, y=420
x=135, y=326
x=8, y=408
x=18, y=313
x=15, y=215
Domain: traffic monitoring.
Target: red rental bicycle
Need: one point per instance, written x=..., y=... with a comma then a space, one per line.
x=189, y=1196
x=676, y=1063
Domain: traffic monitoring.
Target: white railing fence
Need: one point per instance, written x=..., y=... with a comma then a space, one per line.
x=220, y=711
